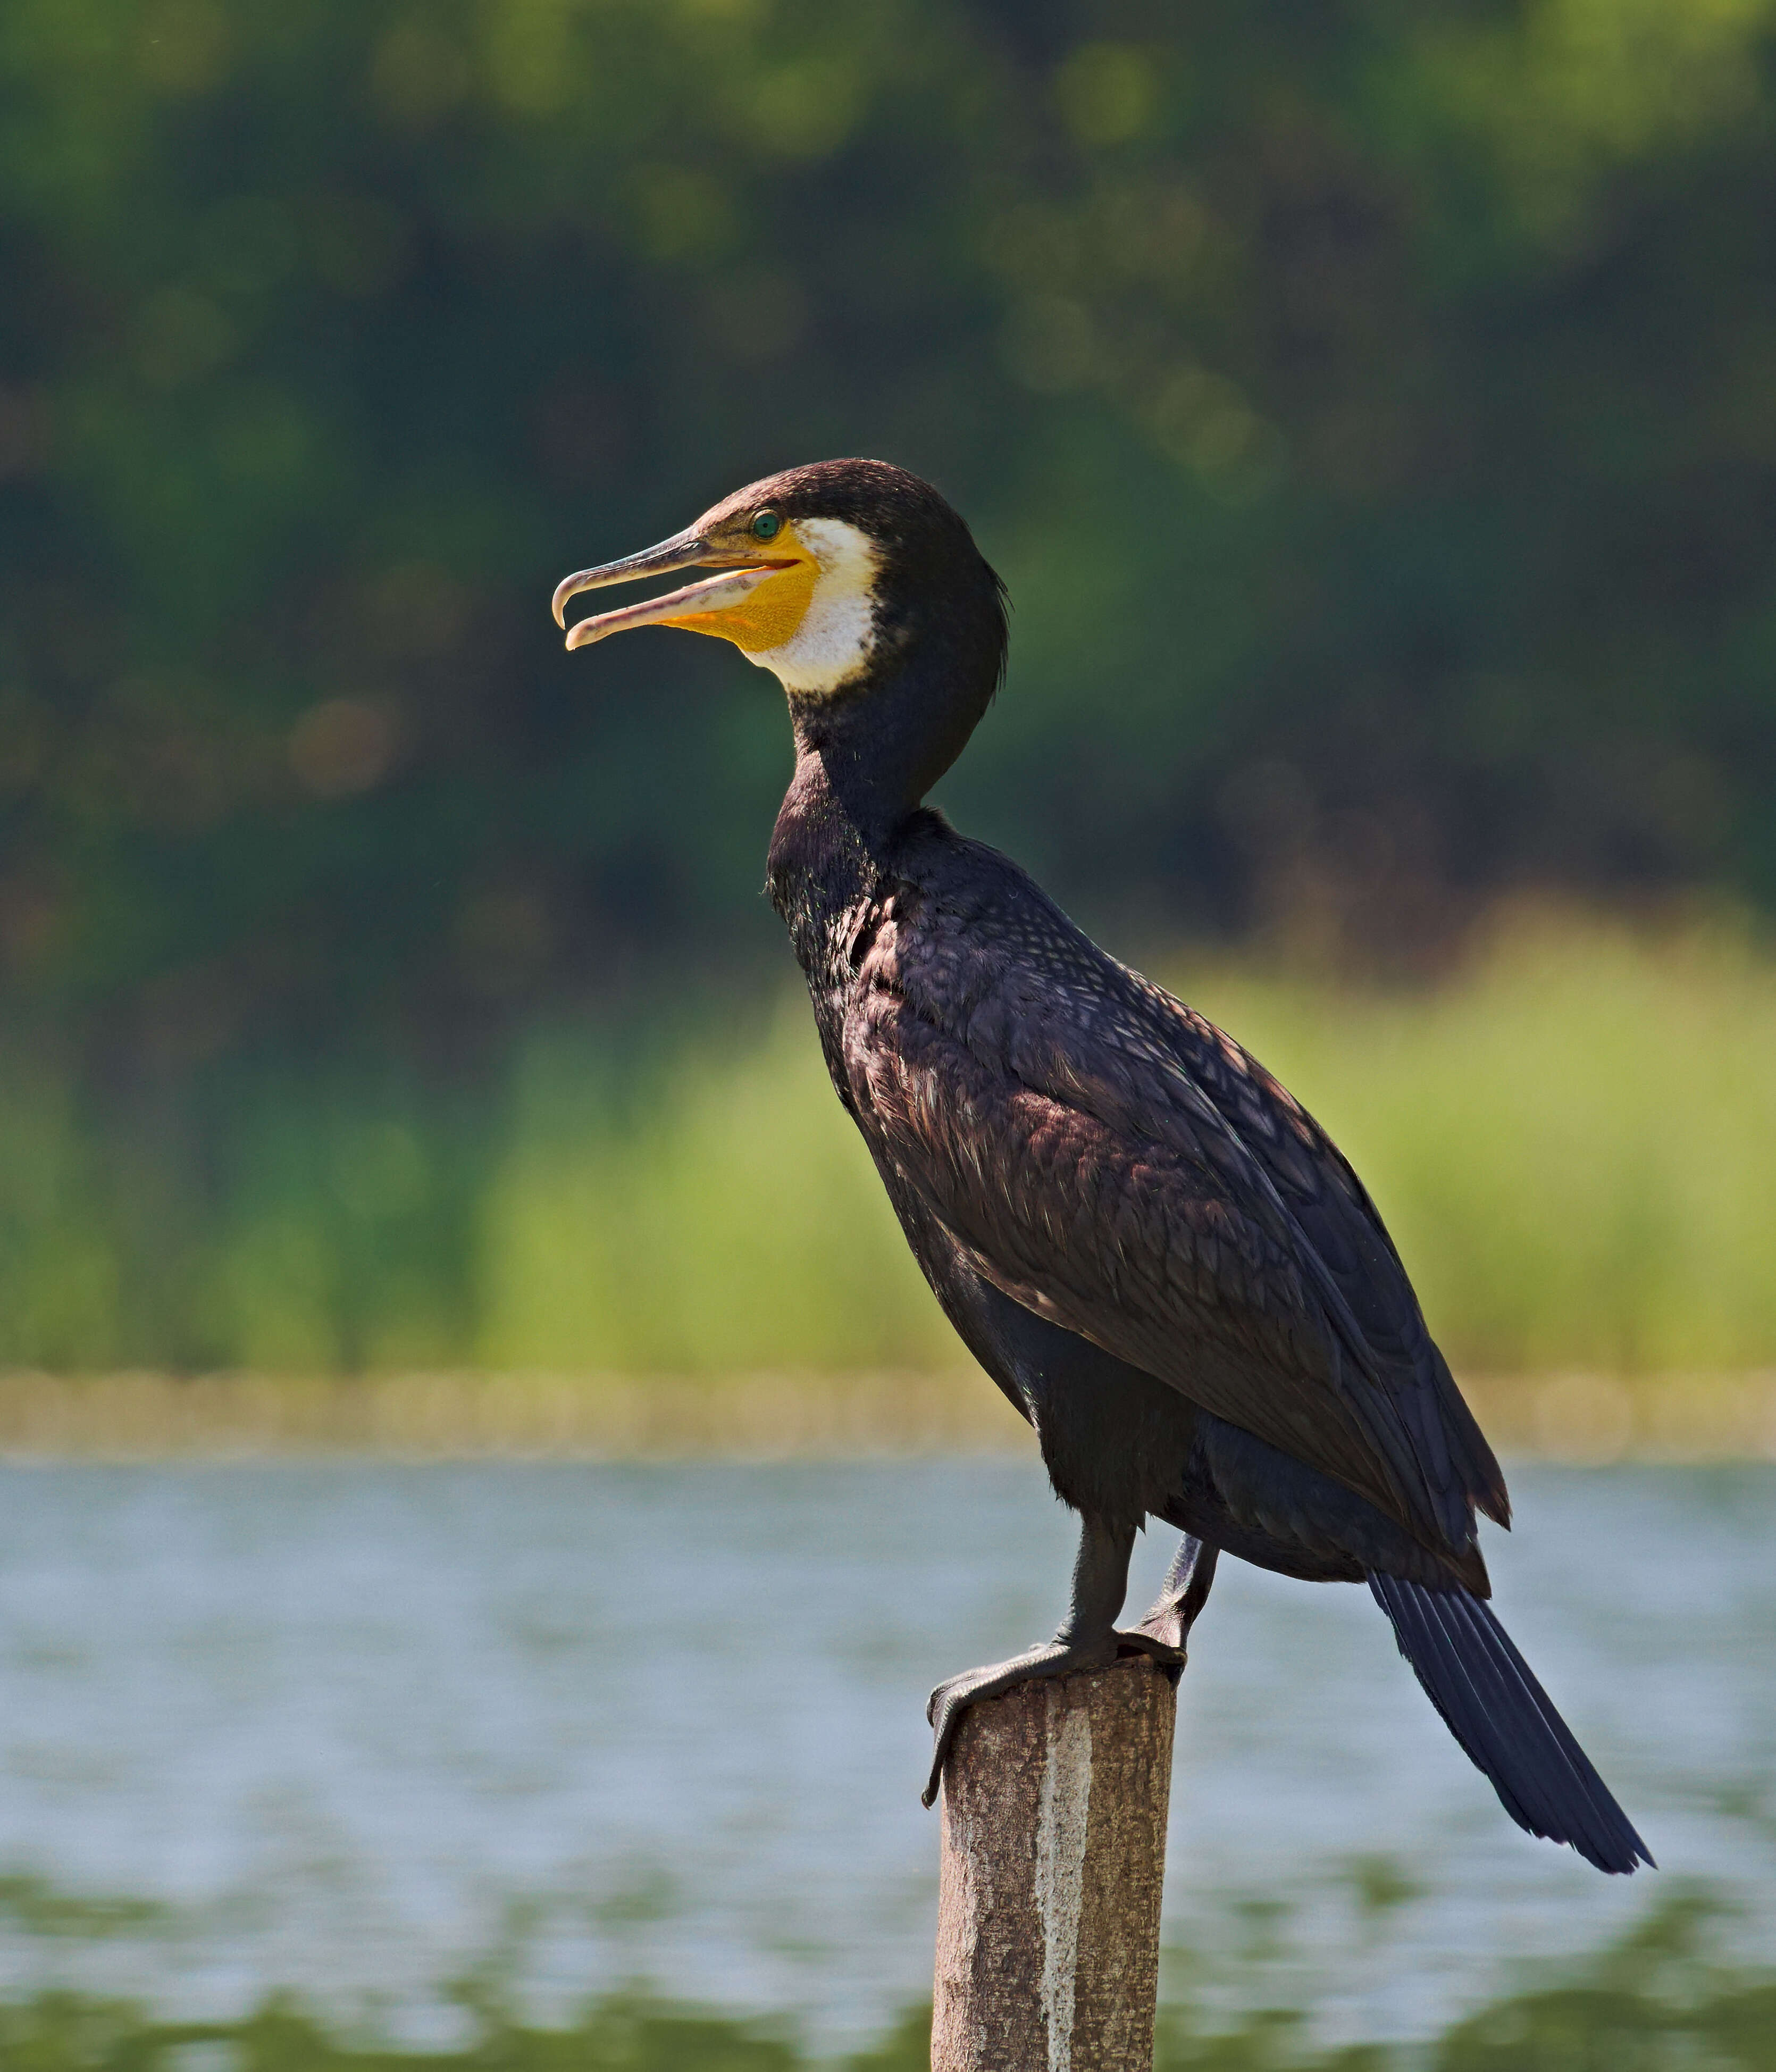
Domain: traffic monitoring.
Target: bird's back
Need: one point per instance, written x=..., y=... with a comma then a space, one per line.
x=1113, y=1161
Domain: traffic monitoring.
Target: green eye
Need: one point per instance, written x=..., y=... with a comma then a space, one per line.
x=766, y=525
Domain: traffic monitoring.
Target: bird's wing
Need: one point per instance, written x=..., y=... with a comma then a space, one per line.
x=1329, y=1209
x=1114, y=1163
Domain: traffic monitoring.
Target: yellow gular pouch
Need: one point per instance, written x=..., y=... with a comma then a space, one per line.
x=813, y=624
x=770, y=614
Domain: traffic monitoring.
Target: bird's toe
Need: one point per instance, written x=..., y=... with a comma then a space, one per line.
x=952, y=1698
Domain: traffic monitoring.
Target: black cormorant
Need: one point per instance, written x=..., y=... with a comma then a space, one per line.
x=1159, y=1256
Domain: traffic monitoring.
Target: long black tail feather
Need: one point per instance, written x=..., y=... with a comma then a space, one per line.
x=1492, y=1704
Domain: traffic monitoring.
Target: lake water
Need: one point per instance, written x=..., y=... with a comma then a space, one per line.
x=363, y=1730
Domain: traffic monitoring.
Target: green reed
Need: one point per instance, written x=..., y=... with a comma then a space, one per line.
x=1573, y=1139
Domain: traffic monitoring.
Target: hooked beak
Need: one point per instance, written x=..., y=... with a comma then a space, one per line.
x=743, y=574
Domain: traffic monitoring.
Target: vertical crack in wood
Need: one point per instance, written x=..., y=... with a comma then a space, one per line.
x=1063, y=1816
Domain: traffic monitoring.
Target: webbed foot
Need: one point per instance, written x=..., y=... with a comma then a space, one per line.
x=1054, y=1658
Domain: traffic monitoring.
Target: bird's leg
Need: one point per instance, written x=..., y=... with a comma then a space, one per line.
x=1182, y=1595
x=1088, y=1639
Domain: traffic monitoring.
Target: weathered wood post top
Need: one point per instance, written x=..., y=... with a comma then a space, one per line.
x=1055, y=1799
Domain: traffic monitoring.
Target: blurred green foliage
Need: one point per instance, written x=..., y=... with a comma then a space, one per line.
x=1657, y=2002
x=1370, y=403
x=1571, y=1141
x=1372, y=406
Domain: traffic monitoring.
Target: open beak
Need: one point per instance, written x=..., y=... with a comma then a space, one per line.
x=741, y=574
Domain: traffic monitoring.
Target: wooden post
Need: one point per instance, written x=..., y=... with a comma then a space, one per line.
x=1054, y=1859
x=1054, y=1843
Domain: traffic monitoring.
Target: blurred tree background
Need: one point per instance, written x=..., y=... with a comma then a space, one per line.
x=1372, y=406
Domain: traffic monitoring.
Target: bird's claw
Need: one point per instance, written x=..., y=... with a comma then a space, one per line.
x=1185, y=1592
x=951, y=1698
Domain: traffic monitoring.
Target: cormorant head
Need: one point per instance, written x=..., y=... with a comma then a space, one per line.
x=859, y=587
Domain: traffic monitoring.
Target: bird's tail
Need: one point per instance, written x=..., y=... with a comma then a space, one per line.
x=1493, y=1706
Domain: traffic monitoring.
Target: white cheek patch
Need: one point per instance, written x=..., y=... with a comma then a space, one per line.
x=837, y=632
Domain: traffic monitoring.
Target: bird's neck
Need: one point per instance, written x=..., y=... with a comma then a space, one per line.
x=882, y=741
x=827, y=858
x=865, y=758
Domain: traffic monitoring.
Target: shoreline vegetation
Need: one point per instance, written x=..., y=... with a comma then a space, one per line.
x=1665, y=1993
x=1578, y=1418
x=1571, y=1136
